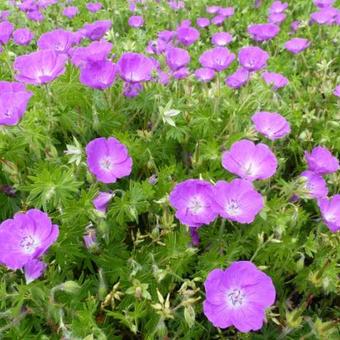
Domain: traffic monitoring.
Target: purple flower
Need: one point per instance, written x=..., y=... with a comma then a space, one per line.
x=330, y=212
x=277, y=18
x=39, y=67
x=263, y=32
x=323, y=3
x=26, y=237
x=4, y=15
x=102, y=201
x=315, y=184
x=226, y=11
x=13, y=102
x=94, y=7
x=195, y=237
x=218, y=20
x=177, y=58
x=193, y=201
x=294, y=26
x=250, y=161
x=99, y=75
x=278, y=7
x=204, y=74
x=185, y=23
x=135, y=67
x=325, y=16
x=253, y=58
x=166, y=35
x=90, y=238
x=181, y=73
x=108, y=159
x=238, y=296
x=187, y=35
x=218, y=58
x=33, y=270
x=271, y=124
x=237, y=201
x=132, y=89
x=35, y=16
x=202, y=22
x=176, y=4
x=321, y=161
x=336, y=91
x=6, y=30
x=221, y=38
x=136, y=21
x=97, y=29
x=277, y=80
x=59, y=40
x=70, y=12
x=296, y=45
x=239, y=78
x=22, y=36
x=95, y=52
x=212, y=9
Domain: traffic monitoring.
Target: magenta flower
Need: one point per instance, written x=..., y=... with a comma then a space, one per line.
x=33, y=270
x=212, y=9
x=336, y=91
x=4, y=15
x=296, y=45
x=135, y=67
x=277, y=18
x=70, y=12
x=253, y=58
x=136, y=21
x=59, y=40
x=22, y=36
x=26, y=237
x=35, y=15
x=271, y=124
x=181, y=73
x=185, y=23
x=315, y=185
x=166, y=35
x=239, y=78
x=221, y=39
x=39, y=67
x=102, y=201
x=323, y=3
x=187, y=35
x=132, y=89
x=238, y=296
x=218, y=58
x=6, y=30
x=177, y=58
x=249, y=160
x=204, y=74
x=94, y=7
x=330, y=212
x=218, y=20
x=202, y=22
x=193, y=201
x=325, y=16
x=263, y=32
x=277, y=80
x=278, y=7
x=97, y=29
x=321, y=161
x=294, y=26
x=176, y=4
x=226, y=11
x=237, y=201
x=108, y=159
x=99, y=75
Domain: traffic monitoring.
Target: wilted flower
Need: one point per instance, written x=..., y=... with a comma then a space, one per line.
x=249, y=160
x=136, y=21
x=58, y=40
x=187, y=35
x=321, y=161
x=202, y=22
x=204, y=74
x=330, y=212
x=253, y=58
x=177, y=58
x=22, y=36
x=90, y=238
x=193, y=201
x=70, y=12
x=6, y=30
x=323, y=3
x=39, y=67
x=238, y=296
x=195, y=237
x=221, y=38
x=108, y=159
x=26, y=237
x=277, y=80
x=97, y=29
x=263, y=32
x=315, y=185
x=296, y=45
x=98, y=75
x=33, y=270
x=102, y=200
x=94, y=7
x=237, y=201
x=218, y=58
x=239, y=78
x=336, y=91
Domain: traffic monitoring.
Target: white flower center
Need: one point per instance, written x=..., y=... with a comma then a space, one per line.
x=195, y=205
x=330, y=217
x=250, y=169
x=235, y=298
x=29, y=244
x=106, y=164
x=233, y=208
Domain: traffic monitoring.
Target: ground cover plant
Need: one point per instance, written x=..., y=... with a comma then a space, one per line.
x=169, y=169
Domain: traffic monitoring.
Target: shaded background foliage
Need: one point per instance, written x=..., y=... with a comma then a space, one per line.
x=144, y=280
